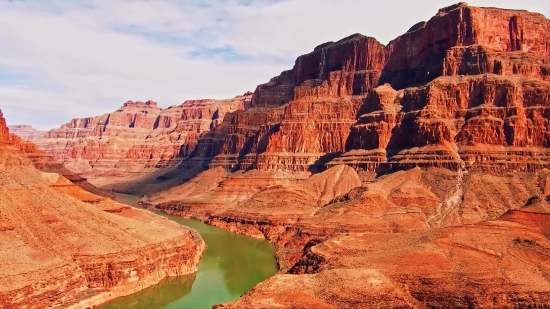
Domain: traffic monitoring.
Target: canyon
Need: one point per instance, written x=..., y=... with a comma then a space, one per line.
x=409, y=175
x=62, y=246
x=137, y=139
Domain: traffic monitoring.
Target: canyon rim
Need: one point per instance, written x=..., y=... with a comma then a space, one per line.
x=409, y=175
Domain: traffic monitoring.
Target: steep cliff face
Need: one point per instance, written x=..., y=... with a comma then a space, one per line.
x=79, y=251
x=354, y=101
x=485, y=105
x=468, y=87
x=489, y=122
x=329, y=85
x=301, y=115
x=137, y=138
x=43, y=161
x=418, y=56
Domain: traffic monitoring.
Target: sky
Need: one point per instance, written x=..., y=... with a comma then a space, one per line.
x=63, y=59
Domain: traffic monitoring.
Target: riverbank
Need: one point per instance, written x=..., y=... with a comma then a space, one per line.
x=375, y=240
x=61, y=246
x=231, y=265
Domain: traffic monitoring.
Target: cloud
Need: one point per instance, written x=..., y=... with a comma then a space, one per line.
x=61, y=59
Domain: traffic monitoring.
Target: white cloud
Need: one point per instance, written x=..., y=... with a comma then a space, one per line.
x=85, y=58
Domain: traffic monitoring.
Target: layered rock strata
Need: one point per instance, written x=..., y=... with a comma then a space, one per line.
x=46, y=163
x=61, y=246
x=4, y=131
x=467, y=89
x=434, y=156
x=299, y=117
x=456, y=267
x=136, y=139
x=385, y=237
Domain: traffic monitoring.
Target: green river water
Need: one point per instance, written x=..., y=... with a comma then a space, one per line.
x=231, y=265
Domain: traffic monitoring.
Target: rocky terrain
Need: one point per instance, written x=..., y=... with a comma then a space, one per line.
x=47, y=163
x=137, y=139
x=411, y=175
x=26, y=132
x=462, y=87
x=494, y=264
x=64, y=247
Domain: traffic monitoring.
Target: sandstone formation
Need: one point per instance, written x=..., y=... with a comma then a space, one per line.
x=298, y=119
x=26, y=132
x=136, y=139
x=436, y=146
x=61, y=246
x=4, y=131
x=496, y=264
x=470, y=86
x=466, y=89
x=46, y=163
x=411, y=175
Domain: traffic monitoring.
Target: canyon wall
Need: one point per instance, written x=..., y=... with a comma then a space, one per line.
x=412, y=175
x=137, y=138
x=63, y=246
x=467, y=89
x=47, y=163
x=366, y=164
x=4, y=131
x=302, y=115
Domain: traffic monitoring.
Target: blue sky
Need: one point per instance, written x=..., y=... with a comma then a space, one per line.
x=61, y=59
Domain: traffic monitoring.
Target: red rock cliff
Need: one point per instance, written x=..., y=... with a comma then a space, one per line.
x=137, y=138
x=477, y=94
x=468, y=88
x=301, y=115
x=418, y=56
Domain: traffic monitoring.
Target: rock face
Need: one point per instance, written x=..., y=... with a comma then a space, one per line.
x=379, y=171
x=302, y=115
x=4, y=131
x=416, y=173
x=26, y=132
x=79, y=251
x=420, y=55
x=411, y=239
x=440, y=268
x=466, y=89
x=46, y=163
x=137, y=138
x=470, y=86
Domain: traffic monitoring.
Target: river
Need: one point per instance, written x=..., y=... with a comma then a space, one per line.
x=231, y=265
